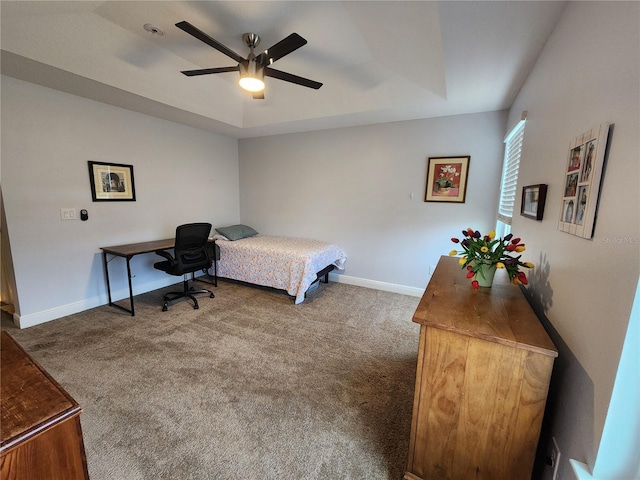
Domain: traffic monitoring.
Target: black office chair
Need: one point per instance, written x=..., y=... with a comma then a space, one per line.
x=191, y=254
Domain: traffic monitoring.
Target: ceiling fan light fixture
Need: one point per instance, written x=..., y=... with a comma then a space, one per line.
x=251, y=84
x=251, y=76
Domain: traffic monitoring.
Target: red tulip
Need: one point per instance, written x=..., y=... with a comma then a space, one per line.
x=516, y=240
x=455, y=240
x=511, y=247
x=475, y=285
x=523, y=278
x=470, y=274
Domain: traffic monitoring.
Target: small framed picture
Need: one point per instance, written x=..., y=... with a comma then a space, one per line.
x=533, y=199
x=111, y=182
x=447, y=179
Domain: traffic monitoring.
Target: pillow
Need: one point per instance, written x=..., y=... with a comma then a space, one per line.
x=217, y=236
x=236, y=232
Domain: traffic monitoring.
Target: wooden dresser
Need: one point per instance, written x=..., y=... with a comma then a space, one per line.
x=41, y=437
x=484, y=365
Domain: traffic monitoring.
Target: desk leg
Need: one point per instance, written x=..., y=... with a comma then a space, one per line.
x=106, y=269
x=216, y=256
x=130, y=287
x=207, y=274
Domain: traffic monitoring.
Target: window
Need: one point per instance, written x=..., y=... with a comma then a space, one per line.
x=509, y=182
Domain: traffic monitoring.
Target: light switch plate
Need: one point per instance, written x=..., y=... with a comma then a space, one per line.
x=68, y=213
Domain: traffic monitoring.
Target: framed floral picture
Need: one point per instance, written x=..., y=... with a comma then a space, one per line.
x=447, y=179
x=581, y=182
x=111, y=182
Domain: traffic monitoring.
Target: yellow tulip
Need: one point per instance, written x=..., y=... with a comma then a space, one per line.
x=453, y=253
x=492, y=234
x=520, y=248
x=484, y=249
x=462, y=260
x=529, y=265
x=499, y=265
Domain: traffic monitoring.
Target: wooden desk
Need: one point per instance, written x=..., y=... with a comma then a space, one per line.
x=482, y=377
x=41, y=436
x=128, y=251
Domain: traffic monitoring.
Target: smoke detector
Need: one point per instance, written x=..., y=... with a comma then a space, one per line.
x=152, y=29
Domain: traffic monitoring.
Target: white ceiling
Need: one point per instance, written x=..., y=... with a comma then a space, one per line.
x=378, y=61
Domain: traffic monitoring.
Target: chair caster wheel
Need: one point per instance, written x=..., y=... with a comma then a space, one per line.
x=196, y=307
x=165, y=308
x=212, y=296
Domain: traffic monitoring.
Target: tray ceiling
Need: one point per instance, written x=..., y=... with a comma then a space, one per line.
x=378, y=61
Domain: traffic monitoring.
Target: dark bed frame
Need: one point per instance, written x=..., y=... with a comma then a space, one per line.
x=323, y=273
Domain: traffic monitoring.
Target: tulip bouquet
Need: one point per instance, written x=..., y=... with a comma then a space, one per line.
x=478, y=250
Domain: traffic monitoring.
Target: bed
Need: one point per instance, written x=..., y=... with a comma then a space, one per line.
x=284, y=263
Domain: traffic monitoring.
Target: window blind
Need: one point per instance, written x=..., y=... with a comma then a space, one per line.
x=512, y=151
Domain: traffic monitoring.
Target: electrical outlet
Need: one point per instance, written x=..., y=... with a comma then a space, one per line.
x=555, y=458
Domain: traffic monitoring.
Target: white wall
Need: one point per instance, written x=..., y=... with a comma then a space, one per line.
x=181, y=175
x=587, y=74
x=352, y=186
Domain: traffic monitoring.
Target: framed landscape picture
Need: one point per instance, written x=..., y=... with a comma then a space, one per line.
x=581, y=182
x=447, y=179
x=111, y=182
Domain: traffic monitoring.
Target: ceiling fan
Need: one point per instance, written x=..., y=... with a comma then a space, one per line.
x=254, y=68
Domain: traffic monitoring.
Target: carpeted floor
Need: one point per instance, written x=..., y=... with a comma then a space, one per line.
x=248, y=386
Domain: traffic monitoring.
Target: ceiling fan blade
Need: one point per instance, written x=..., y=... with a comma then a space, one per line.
x=258, y=95
x=203, y=37
x=289, y=77
x=208, y=71
x=280, y=49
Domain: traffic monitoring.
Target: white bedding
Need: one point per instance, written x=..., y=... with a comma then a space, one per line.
x=284, y=263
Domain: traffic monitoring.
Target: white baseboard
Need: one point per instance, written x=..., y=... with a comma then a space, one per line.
x=376, y=285
x=33, y=319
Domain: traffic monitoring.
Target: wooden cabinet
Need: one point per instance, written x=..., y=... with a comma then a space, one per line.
x=484, y=365
x=41, y=437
